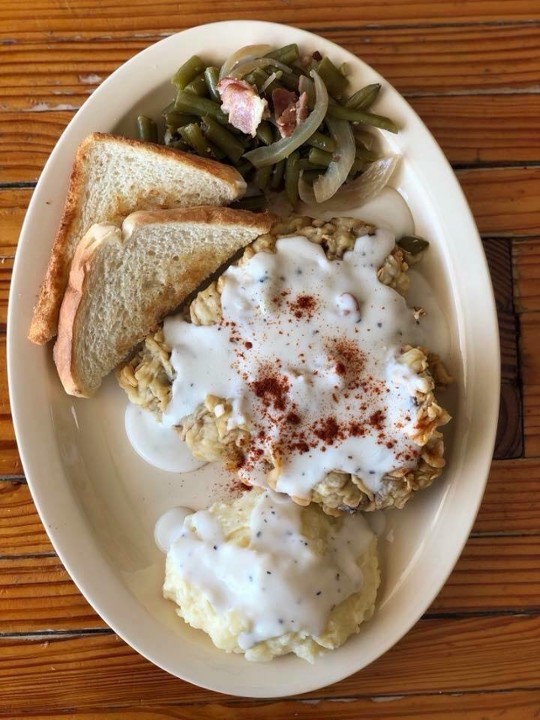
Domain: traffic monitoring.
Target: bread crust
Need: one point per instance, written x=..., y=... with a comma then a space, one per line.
x=46, y=311
x=64, y=349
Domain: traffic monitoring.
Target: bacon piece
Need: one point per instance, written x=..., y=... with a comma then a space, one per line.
x=240, y=100
x=289, y=110
x=281, y=99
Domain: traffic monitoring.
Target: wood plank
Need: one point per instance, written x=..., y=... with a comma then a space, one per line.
x=514, y=705
x=100, y=671
x=499, y=256
x=474, y=129
x=459, y=126
x=526, y=260
x=13, y=204
x=509, y=440
x=435, y=60
x=493, y=574
x=49, y=20
x=21, y=530
x=504, y=201
x=6, y=269
x=531, y=420
x=510, y=503
x=10, y=463
x=26, y=141
x=530, y=346
x=38, y=596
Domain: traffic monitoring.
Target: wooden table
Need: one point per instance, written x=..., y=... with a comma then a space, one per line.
x=471, y=69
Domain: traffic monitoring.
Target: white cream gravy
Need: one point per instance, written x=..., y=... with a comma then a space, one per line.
x=308, y=351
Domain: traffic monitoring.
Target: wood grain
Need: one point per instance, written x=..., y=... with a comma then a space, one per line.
x=10, y=463
x=39, y=596
x=13, y=205
x=510, y=504
x=531, y=420
x=51, y=20
x=21, y=531
x=100, y=671
x=530, y=357
x=474, y=129
x=26, y=141
x=527, y=274
x=435, y=60
x=504, y=201
x=509, y=440
x=530, y=369
x=6, y=268
x=514, y=705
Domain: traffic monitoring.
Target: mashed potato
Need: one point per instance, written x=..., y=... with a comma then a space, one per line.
x=265, y=577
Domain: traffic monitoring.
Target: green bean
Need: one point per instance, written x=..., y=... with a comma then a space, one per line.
x=304, y=164
x=364, y=98
x=222, y=138
x=286, y=54
x=335, y=82
x=321, y=141
x=319, y=157
x=262, y=177
x=188, y=103
x=174, y=119
x=360, y=116
x=277, y=175
x=211, y=76
x=188, y=72
x=193, y=136
x=255, y=203
x=198, y=86
x=413, y=244
x=147, y=129
x=244, y=167
x=264, y=133
x=257, y=77
x=292, y=175
x=362, y=153
x=290, y=80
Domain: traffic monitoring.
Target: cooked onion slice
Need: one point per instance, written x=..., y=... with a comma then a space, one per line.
x=244, y=68
x=326, y=186
x=249, y=52
x=273, y=153
x=357, y=192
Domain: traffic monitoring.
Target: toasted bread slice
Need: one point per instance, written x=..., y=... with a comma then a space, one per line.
x=123, y=281
x=112, y=177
